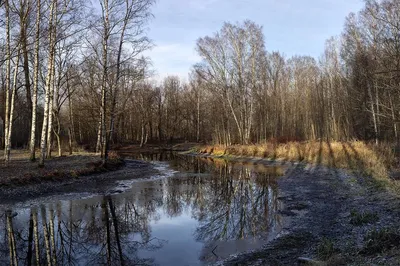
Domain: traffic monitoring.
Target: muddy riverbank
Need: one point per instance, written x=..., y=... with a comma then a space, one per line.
x=92, y=183
x=266, y=212
x=331, y=217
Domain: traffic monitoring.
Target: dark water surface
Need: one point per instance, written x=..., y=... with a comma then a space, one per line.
x=198, y=211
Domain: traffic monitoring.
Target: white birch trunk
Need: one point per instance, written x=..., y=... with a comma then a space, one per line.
x=35, y=85
x=8, y=79
x=51, y=111
x=50, y=67
x=104, y=83
x=12, y=106
x=99, y=132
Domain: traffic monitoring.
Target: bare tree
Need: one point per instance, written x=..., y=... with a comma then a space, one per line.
x=49, y=81
x=32, y=143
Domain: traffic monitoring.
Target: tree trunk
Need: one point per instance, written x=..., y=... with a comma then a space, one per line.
x=50, y=67
x=118, y=74
x=35, y=85
x=71, y=130
x=8, y=80
x=99, y=132
x=24, y=43
x=56, y=113
x=51, y=112
x=373, y=114
x=12, y=106
x=105, y=140
x=142, y=134
x=57, y=134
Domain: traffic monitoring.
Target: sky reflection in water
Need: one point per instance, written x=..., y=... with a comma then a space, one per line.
x=207, y=211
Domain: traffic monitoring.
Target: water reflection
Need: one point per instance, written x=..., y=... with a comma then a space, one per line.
x=197, y=216
x=70, y=234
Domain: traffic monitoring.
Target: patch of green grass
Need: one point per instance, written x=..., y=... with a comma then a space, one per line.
x=325, y=249
x=360, y=218
x=380, y=240
x=353, y=180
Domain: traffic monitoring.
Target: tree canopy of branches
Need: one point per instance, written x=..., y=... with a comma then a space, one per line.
x=240, y=92
x=83, y=80
x=47, y=63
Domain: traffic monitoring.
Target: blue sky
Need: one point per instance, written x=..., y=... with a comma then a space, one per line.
x=294, y=27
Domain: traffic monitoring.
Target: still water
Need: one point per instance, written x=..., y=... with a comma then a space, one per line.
x=200, y=212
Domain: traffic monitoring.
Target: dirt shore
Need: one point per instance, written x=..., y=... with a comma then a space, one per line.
x=333, y=217
x=81, y=173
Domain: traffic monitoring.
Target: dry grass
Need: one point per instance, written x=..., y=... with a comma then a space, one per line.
x=260, y=168
x=23, y=172
x=370, y=160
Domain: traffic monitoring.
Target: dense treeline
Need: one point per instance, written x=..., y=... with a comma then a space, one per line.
x=241, y=93
x=67, y=80
x=65, y=70
x=351, y=92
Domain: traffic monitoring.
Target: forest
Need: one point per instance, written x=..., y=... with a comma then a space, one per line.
x=74, y=75
x=254, y=158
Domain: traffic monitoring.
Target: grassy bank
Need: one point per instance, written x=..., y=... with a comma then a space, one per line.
x=370, y=160
x=23, y=172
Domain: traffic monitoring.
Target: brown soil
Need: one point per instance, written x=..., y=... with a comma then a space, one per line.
x=21, y=171
x=80, y=173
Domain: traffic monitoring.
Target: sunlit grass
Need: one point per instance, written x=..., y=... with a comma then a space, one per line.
x=367, y=159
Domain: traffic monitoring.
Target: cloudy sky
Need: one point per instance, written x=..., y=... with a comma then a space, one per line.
x=294, y=27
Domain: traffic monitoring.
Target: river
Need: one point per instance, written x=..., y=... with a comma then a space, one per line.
x=197, y=211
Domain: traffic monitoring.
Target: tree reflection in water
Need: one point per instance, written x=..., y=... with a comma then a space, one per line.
x=236, y=203
x=64, y=234
x=231, y=202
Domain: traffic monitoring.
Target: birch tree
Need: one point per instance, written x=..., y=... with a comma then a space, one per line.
x=32, y=143
x=229, y=66
x=49, y=80
x=7, y=83
x=125, y=19
x=106, y=36
x=12, y=107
